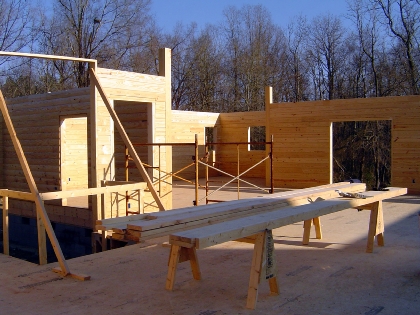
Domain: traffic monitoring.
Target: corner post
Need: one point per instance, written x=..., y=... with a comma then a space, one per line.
x=94, y=182
x=165, y=71
x=268, y=132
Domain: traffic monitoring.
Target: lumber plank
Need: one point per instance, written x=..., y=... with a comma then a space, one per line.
x=231, y=230
x=231, y=209
x=90, y=191
x=147, y=226
x=43, y=56
x=318, y=190
x=13, y=194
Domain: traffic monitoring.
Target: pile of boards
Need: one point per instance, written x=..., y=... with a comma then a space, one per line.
x=147, y=226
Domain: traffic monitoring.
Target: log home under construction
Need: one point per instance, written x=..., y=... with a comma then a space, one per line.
x=77, y=143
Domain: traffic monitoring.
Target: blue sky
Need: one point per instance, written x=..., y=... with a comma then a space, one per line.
x=169, y=12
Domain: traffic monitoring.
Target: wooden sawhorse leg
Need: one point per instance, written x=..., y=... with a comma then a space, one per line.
x=307, y=224
x=180, y=254
x=263, y=267
x=376, y=226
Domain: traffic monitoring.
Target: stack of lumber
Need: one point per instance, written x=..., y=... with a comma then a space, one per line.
x=251, y=225
x=152, y=225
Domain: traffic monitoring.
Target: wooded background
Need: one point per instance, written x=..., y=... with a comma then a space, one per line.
x=224, y=67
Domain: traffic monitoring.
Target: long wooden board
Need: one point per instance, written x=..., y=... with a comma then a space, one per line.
x=163, y=223
x=243, y=227
x=105, y=224
x=249, y=206
x=90, y=191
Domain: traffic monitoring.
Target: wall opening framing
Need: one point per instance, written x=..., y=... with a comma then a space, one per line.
x=74, y=155
x=362, y=150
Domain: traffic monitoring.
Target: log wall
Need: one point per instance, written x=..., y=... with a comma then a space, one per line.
x=233, y=127
x=303, y=140
x=140, y=99
x=185, y=125
x=37, y=120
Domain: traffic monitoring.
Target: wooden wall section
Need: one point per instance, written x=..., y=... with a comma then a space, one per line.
x=233, y=127
x=185, y=125
x=36, y=119
x=149, y=96
x=302, y=137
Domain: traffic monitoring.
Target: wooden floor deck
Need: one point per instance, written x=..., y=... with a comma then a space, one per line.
x=329, y=276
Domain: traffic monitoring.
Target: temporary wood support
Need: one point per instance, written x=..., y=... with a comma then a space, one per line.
x=40, y=207
x=42, y=239
x=307, y=225
x=262, y=260
x=262, y=267
x=6, y=225
x=180, y=254
x=258, y=228
x=126, y=140
x=376, y=225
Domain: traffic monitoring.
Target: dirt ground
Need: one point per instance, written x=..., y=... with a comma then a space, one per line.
x=329, y=276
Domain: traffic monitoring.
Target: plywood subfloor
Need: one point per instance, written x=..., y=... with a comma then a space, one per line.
x=330, y=276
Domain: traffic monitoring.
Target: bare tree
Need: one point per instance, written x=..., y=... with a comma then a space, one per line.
x=180, y=43
x=298, y=81
x=105, y=30
x=327, y=54
x=16, y=24
x=403, y=20
x=255, y=48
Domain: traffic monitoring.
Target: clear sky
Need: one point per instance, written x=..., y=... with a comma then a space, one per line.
x=169, y=12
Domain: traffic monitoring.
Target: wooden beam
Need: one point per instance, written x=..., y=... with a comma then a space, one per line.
x=231, y=230
x=50, y=57
x=126, y=140
x=32, y=186
x=17, y=194
x=90, y=191
x=165, y=71
x=94, y=181
x=223, y=211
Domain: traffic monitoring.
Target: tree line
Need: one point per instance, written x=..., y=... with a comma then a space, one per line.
x=372, y=51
